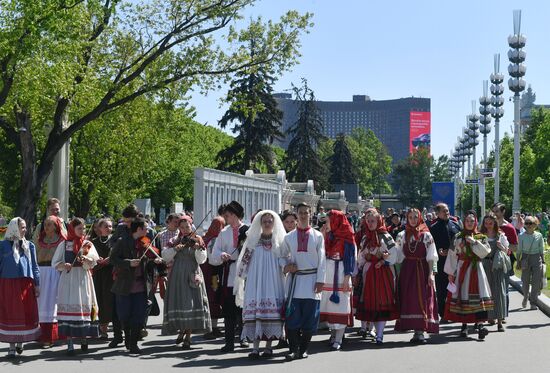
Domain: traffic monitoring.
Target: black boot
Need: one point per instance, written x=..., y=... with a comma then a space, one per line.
x=304, y=343
x=293, y=344
x=127, y=337
x=134, y=337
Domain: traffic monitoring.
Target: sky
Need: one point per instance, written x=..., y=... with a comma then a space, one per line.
x=388, y=49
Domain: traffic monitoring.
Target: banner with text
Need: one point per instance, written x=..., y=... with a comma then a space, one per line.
x=419, y=130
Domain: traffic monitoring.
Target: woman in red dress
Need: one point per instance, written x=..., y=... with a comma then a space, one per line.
x=19, y=287
x=378, y=299
x=416, y=250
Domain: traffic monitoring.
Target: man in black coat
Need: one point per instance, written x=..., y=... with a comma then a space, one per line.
x=443, y=231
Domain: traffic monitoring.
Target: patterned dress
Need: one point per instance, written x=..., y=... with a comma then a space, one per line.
x=417, y=298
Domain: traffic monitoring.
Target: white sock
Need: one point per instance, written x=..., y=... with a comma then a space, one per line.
x=380, y=328
x=339, y=335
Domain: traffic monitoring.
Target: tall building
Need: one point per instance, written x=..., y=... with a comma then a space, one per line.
x=402, y=124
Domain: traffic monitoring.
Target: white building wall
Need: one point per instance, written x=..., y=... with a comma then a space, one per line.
x=214, y=187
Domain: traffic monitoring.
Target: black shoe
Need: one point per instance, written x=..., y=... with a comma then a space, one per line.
x=179, y=339
x=135, y=350
x=254, y=355
x=227, y=348
x=464, y=331
x=282, y=344
x=267, y=353
x=84, y=347
x=19, y=349
x=186, y=345
x=115, y=342
x=292, y=356
x=217, y=332
x=482, y=333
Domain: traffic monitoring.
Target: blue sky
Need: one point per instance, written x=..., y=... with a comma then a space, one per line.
x=391, y=49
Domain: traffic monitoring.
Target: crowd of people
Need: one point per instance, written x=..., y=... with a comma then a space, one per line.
x=277, y=280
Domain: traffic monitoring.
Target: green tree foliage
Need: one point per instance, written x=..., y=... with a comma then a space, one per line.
x=64, y=64
x=440, y=169
x=161, y=146
x=534, y=167
x=303, y=161
x=371, y=162
x=412, y=179
x=254, y=114
x=341, y=166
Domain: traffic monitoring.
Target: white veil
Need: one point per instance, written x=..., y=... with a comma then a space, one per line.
x=254, y=234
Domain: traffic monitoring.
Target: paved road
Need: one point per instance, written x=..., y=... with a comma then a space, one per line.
x=524, y=345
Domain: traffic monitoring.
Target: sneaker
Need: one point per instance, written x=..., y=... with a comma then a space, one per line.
x=371, y=334
x=379, y=341
x=335, y=346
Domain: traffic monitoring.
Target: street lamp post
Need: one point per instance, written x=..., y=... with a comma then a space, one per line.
x=497, y=112
x=485, y=129
x=473, y=126
x=516, y=69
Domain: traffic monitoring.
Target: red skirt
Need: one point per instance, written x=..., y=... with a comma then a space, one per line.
x=379, y=299
x=18, y=310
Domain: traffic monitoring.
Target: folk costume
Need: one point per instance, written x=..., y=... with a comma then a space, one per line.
x=186, y=301
x=378, y=299
x=132, y=285
x=103, y=282
x=19, y=279
x=418, y=305
x=229, y=241
x=341, y=254
x=443, y=233
x=212, y=276
x=470, y=299
x=306, y=249
x=497, y=265
x=49, y=276
x=77, y=309
x=259, y=271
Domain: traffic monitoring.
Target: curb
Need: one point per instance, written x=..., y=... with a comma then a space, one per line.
x=543, y=302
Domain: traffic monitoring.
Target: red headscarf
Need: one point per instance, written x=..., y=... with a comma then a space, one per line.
x=420, y=228
x=466, y=232
x=340, y=233
x=77, y=241
x=214, y=230
x=372, y=240
x=58, y=229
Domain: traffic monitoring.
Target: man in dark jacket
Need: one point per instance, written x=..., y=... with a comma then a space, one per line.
x=443, y=230
x=131, y=282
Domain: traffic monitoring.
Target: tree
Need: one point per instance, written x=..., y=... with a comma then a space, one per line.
x=341, y=165
x=303, y=161
x=412, y=179
x=65, y=64
x=255, y=114
x=440, y=169
x=371, y=162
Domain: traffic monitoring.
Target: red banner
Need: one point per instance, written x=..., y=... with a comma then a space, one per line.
x=419, y=130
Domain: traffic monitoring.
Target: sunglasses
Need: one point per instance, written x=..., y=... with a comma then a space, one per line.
x=530, y=223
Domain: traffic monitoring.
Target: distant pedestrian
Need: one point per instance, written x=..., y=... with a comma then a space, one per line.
x=530, y=258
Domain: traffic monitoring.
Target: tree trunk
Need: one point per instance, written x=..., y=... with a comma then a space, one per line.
x=30, y=193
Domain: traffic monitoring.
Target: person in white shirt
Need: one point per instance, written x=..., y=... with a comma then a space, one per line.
x=303, y=256
x=225, y=252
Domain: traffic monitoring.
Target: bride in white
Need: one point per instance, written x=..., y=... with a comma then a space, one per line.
x=260, y=274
